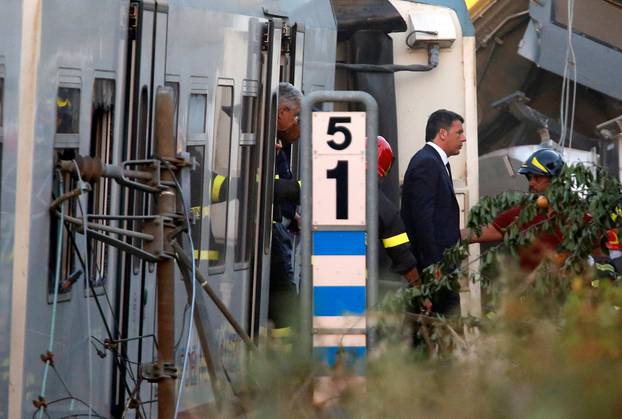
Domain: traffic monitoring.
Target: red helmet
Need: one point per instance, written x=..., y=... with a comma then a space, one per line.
x=385, y=157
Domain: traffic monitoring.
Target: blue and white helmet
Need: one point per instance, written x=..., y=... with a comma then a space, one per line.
x=544, y=162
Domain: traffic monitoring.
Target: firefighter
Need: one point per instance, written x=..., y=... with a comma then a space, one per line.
x=539, y=168
x=64, y=115
x=609, y=265
x=392, y=232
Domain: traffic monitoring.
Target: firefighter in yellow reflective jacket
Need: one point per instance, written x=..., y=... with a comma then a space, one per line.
x=610, y=265
x=284, y=190
x=218, y=193
x=392, y=232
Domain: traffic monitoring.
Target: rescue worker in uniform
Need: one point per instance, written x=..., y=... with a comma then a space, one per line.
x=283, y=294
x=539, y=168
x=219, y=192
x=392, y=232
x=609, y=265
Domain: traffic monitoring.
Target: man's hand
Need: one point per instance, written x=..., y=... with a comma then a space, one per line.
x=296, y=224
x=488, y=234
x=412, y=277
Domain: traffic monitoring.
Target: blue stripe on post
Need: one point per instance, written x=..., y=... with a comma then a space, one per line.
x=352, y=357
x=339, y=301
x=333, y=243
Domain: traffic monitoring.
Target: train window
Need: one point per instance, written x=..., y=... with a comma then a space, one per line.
x=196, y=113
x=196, y=201
x=69, y=268
x=102, y=123
x=175, y=87
x=68, y=110
x=220, y=174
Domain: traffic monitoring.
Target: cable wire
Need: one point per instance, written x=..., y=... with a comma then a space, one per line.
x=193, y=299
x=87, y=276
x=103, y=317
x=183, y=327
x=573, y=59
x=118, y=358
x=75, y=399
x=59, y=252
x=49, y=364
x=567, y=103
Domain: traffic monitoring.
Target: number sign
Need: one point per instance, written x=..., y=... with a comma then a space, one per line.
x=339, y=168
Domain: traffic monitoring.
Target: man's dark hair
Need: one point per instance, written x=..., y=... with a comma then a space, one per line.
x=440, y=119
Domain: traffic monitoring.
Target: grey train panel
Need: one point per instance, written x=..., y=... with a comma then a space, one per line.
x=207, y=49
x=149, y=69
x=200, y=45
x=313, y=13
x=216, y=45
x=10, y=47
x=61, y=59
x=262, y=252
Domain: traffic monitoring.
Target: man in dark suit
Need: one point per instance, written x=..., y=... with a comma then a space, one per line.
x=429, y=207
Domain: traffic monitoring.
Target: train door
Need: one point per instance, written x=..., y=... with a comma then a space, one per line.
x=270, y=71
x=148, y=21
x=282, y=61
x=293, y=69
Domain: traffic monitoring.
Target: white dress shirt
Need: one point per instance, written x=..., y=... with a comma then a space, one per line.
x=441, y=153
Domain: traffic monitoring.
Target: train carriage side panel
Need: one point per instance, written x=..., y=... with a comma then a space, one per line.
x=216, y=53
x=214, y=59
x=74, y=55
x=147, y=42
x=10, y=59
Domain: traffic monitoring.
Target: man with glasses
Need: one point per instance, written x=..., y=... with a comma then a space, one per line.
x=282, y=305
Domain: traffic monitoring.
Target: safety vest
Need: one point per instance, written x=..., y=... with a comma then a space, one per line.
x=613, y=241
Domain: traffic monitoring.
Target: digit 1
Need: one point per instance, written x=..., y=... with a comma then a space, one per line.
x=340, y=174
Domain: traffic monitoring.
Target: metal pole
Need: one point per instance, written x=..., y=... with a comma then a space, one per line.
x=306, y=289
x=202, y=331
x=186, y=263
x=165, y=148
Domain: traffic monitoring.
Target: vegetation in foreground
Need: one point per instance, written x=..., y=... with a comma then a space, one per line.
x=549, y=346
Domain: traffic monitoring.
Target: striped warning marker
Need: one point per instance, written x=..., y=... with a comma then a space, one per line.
x=339, y=298
x=338, y=250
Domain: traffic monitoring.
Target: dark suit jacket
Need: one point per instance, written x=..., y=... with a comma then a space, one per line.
x=429, y=207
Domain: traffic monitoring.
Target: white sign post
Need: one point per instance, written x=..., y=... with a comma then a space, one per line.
x=339, y=234
x=339, y=242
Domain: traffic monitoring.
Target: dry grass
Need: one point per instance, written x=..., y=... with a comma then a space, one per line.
x=552, y=351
